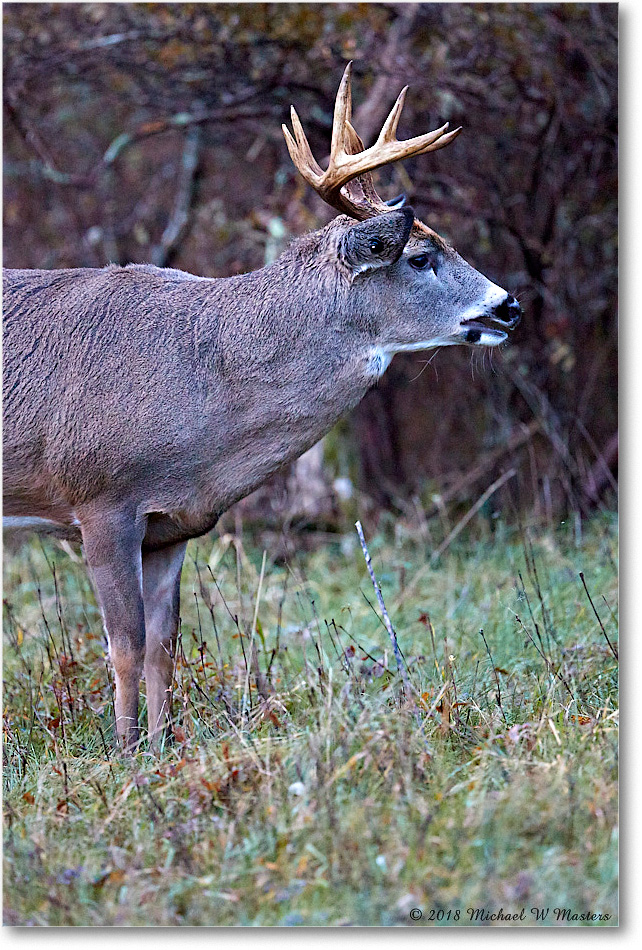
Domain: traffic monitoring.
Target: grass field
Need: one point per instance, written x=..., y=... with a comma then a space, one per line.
x=487, y=789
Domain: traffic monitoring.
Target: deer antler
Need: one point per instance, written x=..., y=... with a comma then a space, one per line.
x=347, y=183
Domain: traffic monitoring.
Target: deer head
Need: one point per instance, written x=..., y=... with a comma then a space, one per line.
x=444, y=300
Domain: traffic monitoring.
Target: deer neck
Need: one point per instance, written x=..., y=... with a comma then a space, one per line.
x=278, y=374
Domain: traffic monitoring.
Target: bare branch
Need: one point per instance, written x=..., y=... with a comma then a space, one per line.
x=600, y=473
x=114, y=39
x=368, y=118
x=177, y=224
x=230, y=113
x=518, y=438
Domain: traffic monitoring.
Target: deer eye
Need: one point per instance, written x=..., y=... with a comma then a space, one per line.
x=421, y=261
x=376, y=246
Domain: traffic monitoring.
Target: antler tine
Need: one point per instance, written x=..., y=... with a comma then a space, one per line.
x=342, y=112
x=441, y=142
x=302, y=142
x=353, y=142
x=295, y=154
x=389, y=129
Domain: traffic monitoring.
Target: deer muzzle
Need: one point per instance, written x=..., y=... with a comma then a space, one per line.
x=493, y=328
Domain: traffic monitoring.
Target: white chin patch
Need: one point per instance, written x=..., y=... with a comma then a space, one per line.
x=378, y=362
x=493, y=338
x=480, y=336
x=379, y=358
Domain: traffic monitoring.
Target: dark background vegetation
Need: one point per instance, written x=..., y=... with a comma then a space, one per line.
x=151, y=132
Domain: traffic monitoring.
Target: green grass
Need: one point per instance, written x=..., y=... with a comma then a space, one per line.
x=492, y=785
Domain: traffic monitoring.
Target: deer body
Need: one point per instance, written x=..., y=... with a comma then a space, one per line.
x=180, y=394
x=140, y=403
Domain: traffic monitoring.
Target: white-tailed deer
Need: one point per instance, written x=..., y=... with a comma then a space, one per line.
x=140, y=403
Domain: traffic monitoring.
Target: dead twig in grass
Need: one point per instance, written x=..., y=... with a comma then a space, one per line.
x=497, y=484
x=401, y=663
x=401, y=666
x=494, y=669
x=604, y=633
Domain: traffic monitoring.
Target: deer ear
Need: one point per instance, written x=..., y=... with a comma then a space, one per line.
x=377, y=242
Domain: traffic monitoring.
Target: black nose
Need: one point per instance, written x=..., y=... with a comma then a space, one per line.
x=508, y=312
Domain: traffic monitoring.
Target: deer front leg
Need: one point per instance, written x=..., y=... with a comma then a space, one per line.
x=112, y=543
x=161, y=596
